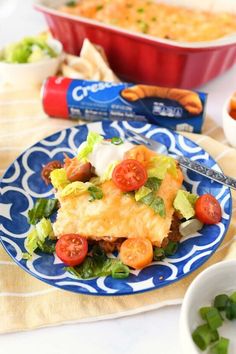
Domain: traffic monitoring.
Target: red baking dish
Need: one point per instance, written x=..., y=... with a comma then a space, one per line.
x=141, y=58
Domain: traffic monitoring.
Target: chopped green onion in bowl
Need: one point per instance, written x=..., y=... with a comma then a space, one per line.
x=221, y=347
x=203, y=336
x=30, y=61
x=220, y=301
x=28, y=50
x=214, y=287
x=223, y=308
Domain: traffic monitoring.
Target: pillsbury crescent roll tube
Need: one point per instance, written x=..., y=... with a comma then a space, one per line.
x=172, y=108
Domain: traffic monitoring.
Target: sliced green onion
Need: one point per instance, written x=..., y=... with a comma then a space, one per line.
x=99, y=7
x=203, y=336
x=230, y=310
x=233, y=297
x=214, y=318
x=144, y=27
x=71, y=3
x=220, y=301
x=95, y=193
x=119, y=271
x=158, y=254
x=214, y=336
x=171, y=248
x=203, y=311
x=233, y=310
x=220, y=347
x=117, y=140
x=140, y=10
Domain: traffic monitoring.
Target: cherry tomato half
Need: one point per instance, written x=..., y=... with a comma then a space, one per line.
x=129, y=175
x=72, y=249
x=208, y=209
x=48, y=168
x=76, y=170
x=136, y=252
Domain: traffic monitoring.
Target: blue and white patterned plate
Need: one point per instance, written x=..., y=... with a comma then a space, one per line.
x=22, y=184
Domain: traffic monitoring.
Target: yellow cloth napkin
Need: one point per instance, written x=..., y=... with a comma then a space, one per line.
x=27, y=303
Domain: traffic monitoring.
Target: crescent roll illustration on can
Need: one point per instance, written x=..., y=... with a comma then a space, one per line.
x=190, y=100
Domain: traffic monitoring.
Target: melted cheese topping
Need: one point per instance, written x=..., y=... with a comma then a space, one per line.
x=117, y=214
x=157, y=19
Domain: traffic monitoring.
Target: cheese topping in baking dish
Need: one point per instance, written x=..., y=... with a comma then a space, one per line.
x=156, y=19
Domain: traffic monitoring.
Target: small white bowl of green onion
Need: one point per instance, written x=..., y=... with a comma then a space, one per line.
x=30, y=61
x=208, y=314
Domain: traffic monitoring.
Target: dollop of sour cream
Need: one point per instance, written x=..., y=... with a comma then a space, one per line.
x=105, y=153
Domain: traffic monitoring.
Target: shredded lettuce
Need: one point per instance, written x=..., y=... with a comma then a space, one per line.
x=160, y=165
x=158, y=206
x=108, y=172
x=192, y=198
x=31, y=241
x=86, y=148
x=48, y=246
x=38, y=236
x=59, y=179
x=153, y=183
x=155, y=202
x=147, y=194
x=184, y=203
x=44, y=229
x=99, y=265
x=141, y=193
x=42, y=208
x=76, y=188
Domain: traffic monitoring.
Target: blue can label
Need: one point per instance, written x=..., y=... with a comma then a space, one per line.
x=171, y=108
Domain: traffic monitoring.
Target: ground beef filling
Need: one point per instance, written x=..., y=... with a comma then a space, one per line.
x=111, y=245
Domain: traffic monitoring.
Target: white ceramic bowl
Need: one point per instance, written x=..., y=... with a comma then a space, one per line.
x=31, y=74
x=229, y=124
x=217, y=279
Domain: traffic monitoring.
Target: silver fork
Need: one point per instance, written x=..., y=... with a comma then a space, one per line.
x=182, y=160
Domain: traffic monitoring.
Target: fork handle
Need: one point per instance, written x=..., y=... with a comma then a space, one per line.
x=207, y=172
